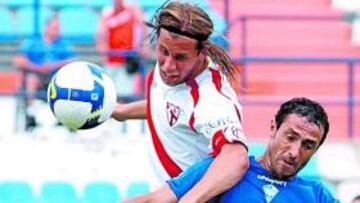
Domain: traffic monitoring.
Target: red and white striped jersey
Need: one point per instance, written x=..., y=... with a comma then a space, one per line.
x=191, y=120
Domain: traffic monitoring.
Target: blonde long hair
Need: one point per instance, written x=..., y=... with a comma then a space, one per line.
x=191, y=21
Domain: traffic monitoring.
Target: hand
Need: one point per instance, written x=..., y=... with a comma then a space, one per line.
x=119, y=112
x=20, y=61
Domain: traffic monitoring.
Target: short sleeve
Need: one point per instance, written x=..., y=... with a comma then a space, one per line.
x=26, y=47
x=187, y=179
x=221, y=123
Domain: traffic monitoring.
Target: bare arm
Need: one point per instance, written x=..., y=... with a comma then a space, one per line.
x=226, y=170
x=24, y=63
x=162, y=195
x=133, y=110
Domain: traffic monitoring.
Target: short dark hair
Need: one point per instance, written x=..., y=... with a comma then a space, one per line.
x=356, y=198
x=307, y=108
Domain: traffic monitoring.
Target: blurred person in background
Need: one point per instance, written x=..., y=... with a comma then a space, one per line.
x=121, y=31
x=191, y=108
x=356, y=199
x=40, y=57
x=299, y=128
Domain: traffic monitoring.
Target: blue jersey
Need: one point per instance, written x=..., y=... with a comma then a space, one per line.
x=40, y=52
x=258, y=185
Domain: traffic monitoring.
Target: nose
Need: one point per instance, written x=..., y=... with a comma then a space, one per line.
x=294, y=150
x=169, y=64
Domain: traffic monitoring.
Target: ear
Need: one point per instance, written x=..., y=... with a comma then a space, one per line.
x=272, y=128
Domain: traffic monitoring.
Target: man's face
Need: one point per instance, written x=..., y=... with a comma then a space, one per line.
x=52, y=30
x=292, y=145
x=118, y=3
x=178, y=57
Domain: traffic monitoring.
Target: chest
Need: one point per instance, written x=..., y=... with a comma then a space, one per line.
x=172, y=106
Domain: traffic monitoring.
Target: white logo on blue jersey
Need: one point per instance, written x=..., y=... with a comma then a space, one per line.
x=270, y=192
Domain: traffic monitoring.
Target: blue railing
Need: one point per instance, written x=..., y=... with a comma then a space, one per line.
x=351, y=100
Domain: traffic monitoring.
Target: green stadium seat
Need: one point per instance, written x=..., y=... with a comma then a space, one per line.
x=25, y=20
x=5, y=17
x=78, y=24
x=6, y=28
x=137, y=188
x=58, y=192
x=101, y=192
x=16, y=192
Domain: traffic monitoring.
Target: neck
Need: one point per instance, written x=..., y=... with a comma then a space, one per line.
x=119, y=8
x=200, y=67
x=263, y=161
x=48, y=39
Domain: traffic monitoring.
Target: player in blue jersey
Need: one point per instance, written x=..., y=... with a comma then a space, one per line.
x=300, y=127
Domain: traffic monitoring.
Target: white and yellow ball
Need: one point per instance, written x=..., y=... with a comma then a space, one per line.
x=81, y=95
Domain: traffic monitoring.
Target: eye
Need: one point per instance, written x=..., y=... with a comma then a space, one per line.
x=309, y=145
x=180, y=57
x=290, y=136
x=164, y=51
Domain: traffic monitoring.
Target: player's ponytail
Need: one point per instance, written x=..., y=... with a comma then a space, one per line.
x=219, y=56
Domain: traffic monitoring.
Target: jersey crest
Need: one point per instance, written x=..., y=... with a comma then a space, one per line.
x=172, y=112
x=270, y=192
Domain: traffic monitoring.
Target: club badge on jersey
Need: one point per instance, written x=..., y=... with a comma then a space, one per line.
x=172, y=112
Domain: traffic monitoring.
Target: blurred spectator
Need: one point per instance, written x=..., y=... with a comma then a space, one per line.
x=121, y=30
x=356, y=199
x=39, y=58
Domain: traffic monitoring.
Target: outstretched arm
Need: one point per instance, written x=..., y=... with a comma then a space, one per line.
x=133, y=110
x=176, y=187
x=225, y=171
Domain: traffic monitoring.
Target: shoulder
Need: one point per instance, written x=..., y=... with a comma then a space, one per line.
x=32, y=43
x=216, y=93
x=317, y=188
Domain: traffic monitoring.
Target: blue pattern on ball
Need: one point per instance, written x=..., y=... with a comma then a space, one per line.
x=94, y=96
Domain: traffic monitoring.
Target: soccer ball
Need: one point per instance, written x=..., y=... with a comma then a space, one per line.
x=81, y=96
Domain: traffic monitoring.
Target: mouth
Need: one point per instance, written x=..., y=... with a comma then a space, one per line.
x=169, y=77
x=289, y=163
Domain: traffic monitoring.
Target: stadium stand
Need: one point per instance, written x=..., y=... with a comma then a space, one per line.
x=260, y=30
x=6, y=29
x=77, y=29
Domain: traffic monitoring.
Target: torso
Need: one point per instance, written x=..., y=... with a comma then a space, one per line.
x=121, y=32
x=186, y=116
